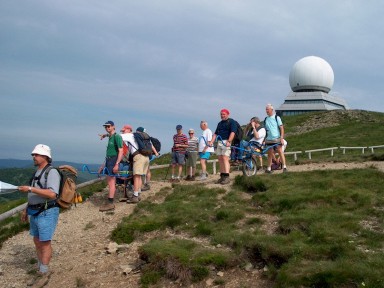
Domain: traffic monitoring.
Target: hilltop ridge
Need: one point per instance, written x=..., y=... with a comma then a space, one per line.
x=82, y=247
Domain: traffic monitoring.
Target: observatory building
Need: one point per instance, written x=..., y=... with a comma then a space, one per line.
x=311, y=79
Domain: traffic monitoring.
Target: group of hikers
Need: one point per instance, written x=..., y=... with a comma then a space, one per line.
x=231, y=144
x=186, y=150
x=43, y=194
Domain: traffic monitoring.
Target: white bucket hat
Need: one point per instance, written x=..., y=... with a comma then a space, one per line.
x=42, y=149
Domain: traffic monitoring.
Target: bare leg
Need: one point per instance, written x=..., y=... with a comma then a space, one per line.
x=43, y=250
x=112, y=186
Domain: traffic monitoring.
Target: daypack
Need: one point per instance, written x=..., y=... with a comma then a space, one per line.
x=239, y=131
x=156, y=143
x=67, y=189
x=125, y=158
x=144, y=145
x=276, y=165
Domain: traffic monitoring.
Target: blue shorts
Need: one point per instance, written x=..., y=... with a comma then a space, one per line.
x=110, y=163
x=43, y=226
x=178, y=158
x=205, y=155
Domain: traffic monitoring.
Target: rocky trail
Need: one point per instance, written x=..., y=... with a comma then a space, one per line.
x=85, y=257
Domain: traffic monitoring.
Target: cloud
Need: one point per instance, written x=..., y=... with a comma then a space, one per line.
x=68, y=66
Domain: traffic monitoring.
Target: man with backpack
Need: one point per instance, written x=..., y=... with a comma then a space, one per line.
x=275, y=134
x=42, y=209
x=112, y=161
x=146, y=186
x=140, y=147
x=226, y=132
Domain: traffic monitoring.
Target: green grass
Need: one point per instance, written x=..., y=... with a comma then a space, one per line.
x=330, y=231
x=182, y=259
x=10, y=227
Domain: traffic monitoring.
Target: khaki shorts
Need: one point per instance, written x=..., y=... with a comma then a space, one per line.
x=192, y=159
x=140, y=164
x=223, y=150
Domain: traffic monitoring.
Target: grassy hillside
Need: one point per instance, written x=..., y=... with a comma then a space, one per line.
x=334, y=128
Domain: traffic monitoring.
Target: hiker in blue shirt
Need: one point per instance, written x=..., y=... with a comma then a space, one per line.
x=275, y=134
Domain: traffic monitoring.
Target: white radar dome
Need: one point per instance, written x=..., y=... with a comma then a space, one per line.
x=311, y=74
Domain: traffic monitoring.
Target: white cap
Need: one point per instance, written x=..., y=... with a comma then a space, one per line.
x=42, y=149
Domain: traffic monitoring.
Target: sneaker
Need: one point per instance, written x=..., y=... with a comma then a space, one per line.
x=107, y=207
x=202, y=177
x=146, y=187
x=172, y=180
x=176, y=180
x=225, y=180
x=268, y=171
x=130, y=195
x=285, y=170
x=133, y=200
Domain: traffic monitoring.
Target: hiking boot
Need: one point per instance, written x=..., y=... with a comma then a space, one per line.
x=285, y=170
x=225, y=180
x=176, y=180
x=172, y=180
x=41, y=280
x=268, y=171
x=220, y=180
x=133, y=200
x=193, y=178
x=146, y=187
x=107, y=207
x=202, y=177
x=188, y=178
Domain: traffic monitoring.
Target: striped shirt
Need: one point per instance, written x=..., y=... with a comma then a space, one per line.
x=179, y=139
x=193, y=143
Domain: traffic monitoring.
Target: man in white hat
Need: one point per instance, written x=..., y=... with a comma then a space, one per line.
x=42, y=210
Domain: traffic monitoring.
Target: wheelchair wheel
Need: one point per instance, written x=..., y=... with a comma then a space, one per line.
x=249, y=167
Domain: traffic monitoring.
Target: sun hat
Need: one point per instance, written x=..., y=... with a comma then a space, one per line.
x=43, y=150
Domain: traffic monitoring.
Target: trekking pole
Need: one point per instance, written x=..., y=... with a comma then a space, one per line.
x=166, y=174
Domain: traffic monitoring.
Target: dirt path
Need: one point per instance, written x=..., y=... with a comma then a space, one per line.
x=80, y=257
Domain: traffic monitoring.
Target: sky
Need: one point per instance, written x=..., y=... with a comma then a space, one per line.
x=67, y=67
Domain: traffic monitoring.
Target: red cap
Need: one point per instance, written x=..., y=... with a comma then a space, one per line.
x=224, y=111
x=126, y=127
